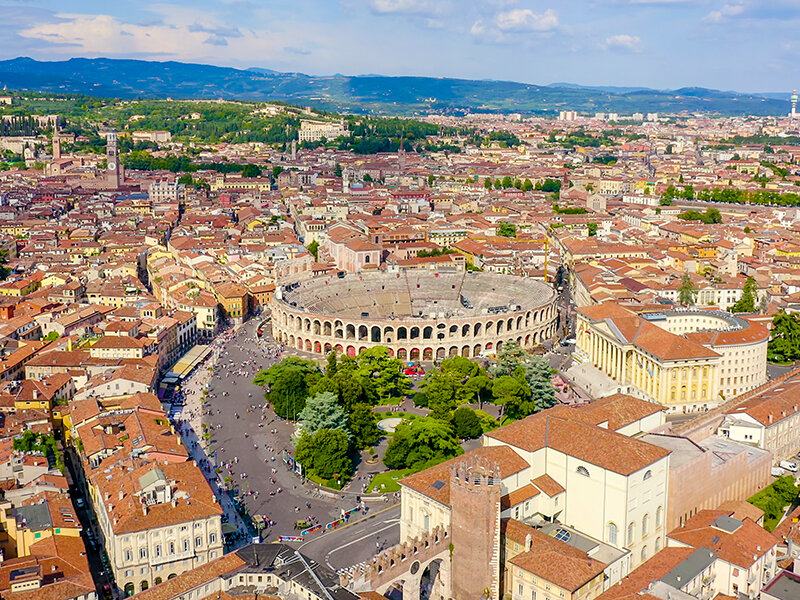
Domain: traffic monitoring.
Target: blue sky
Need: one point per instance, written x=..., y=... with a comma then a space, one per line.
x=746, y=45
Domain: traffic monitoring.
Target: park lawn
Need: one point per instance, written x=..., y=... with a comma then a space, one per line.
x=389, y=480
x=328, y=483
x=395, y=415
x=773, y=500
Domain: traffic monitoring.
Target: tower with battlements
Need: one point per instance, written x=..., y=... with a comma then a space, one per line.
x=113, y=168
x=475, y=529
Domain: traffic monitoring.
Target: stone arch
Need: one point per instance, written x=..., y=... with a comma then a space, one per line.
x=519, y=322
x=351, y=351
x=307, y=325
x=489, y=346
x=489, y=328
x=308, y=345
x=499, y=346
x=453, y=331
x=441, y=353
x=157, y=580
x=414, y=354
x=432, y=582
x=327, y=348
x=528, y=319
x=144, y=585
x=291, y=341
x=129, y=589
x=414, y=334
x=499, y=327
x=465, y=351
x=427, y=332
x=510, y=324
x=317, y=347
x=388, y=334
x=339, y=348
x=363, y=332
x=172, y=576
x=452, y=352
x=395, y=591
x=402, y=354
x=476, y=351
x=528, y=340
x=327, y=329
x=350, y=331
x=402, y=333
x=427, y=354
x=375, y=334
x=360, y=350
x=465, y=330
x=317, y=327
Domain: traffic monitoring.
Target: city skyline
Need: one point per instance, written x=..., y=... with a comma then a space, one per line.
x=743, y=45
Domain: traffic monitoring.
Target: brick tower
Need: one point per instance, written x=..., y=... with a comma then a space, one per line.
x=475, y=529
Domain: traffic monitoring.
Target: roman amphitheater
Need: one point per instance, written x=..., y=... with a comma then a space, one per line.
x=417, y=315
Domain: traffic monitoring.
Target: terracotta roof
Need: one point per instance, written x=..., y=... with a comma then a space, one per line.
x=548, y=485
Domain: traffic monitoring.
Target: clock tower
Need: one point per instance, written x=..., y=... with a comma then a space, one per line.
x=112, y=159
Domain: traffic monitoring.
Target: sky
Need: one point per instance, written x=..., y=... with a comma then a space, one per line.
x=743, y=45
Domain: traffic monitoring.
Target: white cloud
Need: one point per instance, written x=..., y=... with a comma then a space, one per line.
x=403, y=7
x=727, y=10
x=524, y=19
x=622, y=43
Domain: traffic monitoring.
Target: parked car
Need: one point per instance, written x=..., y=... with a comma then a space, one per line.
x=789, y=465
x=778, y=472
x=80, y=502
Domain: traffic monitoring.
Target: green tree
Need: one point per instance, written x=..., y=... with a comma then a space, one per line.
x=537, y=373
x=322, y=411
x=747, y=303
x=440, y=391
x=363, y=426
x=382, y=374
x=421, y=443
x=476, y=389
x=687, y=291
x=784, y=345
x=466, y=424
x=313, y=248
x=509, y=358
x=431, y=179
x=487, y=183
x=510, y=392
x=527, y=186
x=251, y=170
x=332, y=364
x=287, y=385
x=51, y=337
x=507, y=182
x=498, y=184
x=592, y=227
x=506, y=229
x=277, y=170
x=325, y=454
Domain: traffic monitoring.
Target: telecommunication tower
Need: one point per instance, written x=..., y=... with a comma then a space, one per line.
x=794, y=104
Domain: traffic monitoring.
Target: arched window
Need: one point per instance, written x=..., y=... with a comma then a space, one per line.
x=644, y=553
x=583, y=471
x=645, y=524
x=659, y=512
x=647, y=474
x=631, y=533
x=612, y=534
x=658, y=544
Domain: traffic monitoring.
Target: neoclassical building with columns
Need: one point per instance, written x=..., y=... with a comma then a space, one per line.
x=685, y=359
x=418, y=315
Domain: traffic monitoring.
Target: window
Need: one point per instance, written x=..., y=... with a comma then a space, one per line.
x=520, y=589
x=185, y=545
x=198, y=541
x=647, y=474
x=142, y=552
x=212, y=538
x=172, y=547
x=128, y=555
x=644, y=553
x=631, y=533
x=658, y=544
x=612, y=534
x=158, y=550
x=645, y=524
x=583, y=471
x=659, y=510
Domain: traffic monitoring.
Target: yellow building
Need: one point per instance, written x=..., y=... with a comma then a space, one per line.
x=650, y=361
x=40, y=517
x=19, y=288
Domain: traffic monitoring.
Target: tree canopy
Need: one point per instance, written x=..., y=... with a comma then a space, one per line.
x=323, y=411
x=287, y=385
x=420, y=444
x=325, y=454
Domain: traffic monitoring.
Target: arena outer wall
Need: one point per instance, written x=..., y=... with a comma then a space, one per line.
x=416, y=338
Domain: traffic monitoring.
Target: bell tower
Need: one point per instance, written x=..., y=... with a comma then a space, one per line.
x=112, y=160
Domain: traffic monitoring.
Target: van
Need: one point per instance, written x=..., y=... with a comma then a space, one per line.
x=789, y=465
x=778, y=472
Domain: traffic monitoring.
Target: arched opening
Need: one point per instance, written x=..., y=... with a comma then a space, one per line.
x=499, y=327
x=376, y=334
x=144, y=585
x=157, y=580
x=402, y=333
x=430, y=584
x=317, y=347
x=362, y=332
x=465, y=352
x=414, y=333
x=489, y=346
x=465, y=331
x=351, y=351
x=476, y=331
x=172, y=576
x=307, y=325
x=414, y=354
x=453, y=351
x=350, y=331
x=453, y=331
x=395, y=591
x=360, y=350
x=427, y=333
x=129, y=589
x=327, y=348
x=308, y=345
x=499, y=347
x=388, y=335
x=402, y=354
x=427, y=354
x=317, y=327
x=510, y=324
x=441, y=354
x=327, y=328
x=519, y=322
x=489, y=328
x=338, y=348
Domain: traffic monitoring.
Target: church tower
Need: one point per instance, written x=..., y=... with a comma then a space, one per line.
x=56, y=144
x=112, y=159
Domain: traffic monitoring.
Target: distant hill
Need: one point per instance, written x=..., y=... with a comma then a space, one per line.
x=368, y=94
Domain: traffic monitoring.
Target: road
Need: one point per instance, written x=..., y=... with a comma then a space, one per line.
x=358, y=541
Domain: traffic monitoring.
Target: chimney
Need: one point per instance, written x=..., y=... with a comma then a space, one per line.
x=121, y=494
x=144, y=509
x=770, y=418
x=528, y=542
x=35, y=394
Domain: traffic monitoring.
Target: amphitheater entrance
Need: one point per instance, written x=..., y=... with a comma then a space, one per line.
x=441, y=354
x=351, y=352
x=427, y=354
x=414, y=355
x=402, y=354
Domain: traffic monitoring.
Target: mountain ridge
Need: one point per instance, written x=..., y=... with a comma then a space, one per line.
x=377, y=94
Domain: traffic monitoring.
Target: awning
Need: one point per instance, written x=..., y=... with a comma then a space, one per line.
x=190, y=360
